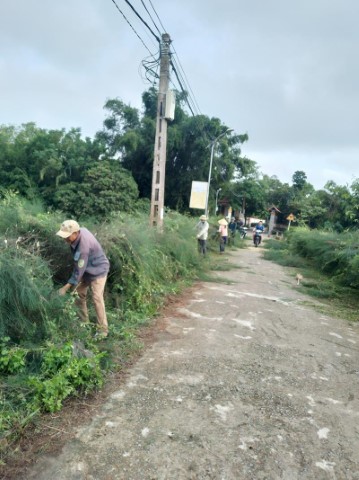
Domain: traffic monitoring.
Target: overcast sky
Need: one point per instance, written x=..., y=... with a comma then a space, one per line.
x=285, y=72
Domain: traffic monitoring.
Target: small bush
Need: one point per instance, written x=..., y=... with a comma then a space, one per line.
x=63, y=374
x=12, y=359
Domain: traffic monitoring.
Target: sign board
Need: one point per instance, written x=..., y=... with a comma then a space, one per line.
x=291, y=217
x=198, y=195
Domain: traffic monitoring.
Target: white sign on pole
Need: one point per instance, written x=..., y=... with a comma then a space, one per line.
x=198, y=195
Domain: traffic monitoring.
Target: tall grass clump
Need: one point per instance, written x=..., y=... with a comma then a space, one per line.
x=279, y=252
x=24, y=292
x=145, y=263
x=25, y=226
x=329, y=270
x=333, y=254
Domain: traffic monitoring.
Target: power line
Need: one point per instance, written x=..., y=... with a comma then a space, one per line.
x=152, y=41
x=183, y=90
x=124, y=16
x=188, y=94
x=188, y=84
x=153, y=8
x=150, y=66
x=158, y=30
x=180, y=68
x=142, y=20
x=183, y=87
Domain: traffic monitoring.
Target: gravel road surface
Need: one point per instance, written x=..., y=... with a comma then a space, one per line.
x=245, y=380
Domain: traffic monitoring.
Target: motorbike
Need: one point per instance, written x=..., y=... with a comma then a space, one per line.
x=257, y=237
x=242, y=232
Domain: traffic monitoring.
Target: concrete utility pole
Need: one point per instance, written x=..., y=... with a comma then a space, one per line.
x=159, y=159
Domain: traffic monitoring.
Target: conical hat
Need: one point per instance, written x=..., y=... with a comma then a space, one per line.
x=223, y=221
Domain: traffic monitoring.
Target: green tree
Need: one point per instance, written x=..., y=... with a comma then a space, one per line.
x=107, y=188
x=130, y=138
x=14, y=164
x=299, y=179
x=35, y=161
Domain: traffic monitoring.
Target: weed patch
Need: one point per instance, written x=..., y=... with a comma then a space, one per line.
x=325, y=281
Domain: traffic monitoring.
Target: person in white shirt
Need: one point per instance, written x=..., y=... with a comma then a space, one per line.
x=202, y=234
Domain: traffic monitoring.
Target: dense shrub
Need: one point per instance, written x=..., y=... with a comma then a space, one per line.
x=335, y=254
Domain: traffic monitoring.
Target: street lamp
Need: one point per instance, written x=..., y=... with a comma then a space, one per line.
x=217, y=192
x=210, y=165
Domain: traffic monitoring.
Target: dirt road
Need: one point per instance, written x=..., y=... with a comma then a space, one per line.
x=244, y=382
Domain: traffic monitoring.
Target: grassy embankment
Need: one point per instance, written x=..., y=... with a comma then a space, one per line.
x=329, y=264
x=46, y=355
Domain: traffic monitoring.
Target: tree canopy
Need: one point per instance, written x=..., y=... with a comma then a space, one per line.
x=113, y=171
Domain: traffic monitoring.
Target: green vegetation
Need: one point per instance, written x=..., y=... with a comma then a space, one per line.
x=328, y=263
x=113, y=171
x=46, y=354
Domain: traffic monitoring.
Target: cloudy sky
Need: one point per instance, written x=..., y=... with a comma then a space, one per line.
x=287, y=73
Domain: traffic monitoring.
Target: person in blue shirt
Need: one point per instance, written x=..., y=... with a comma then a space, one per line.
x=91, y=267
x=259, y=227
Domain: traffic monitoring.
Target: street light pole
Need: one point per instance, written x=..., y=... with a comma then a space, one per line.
x=210, y=165
x=217, y=192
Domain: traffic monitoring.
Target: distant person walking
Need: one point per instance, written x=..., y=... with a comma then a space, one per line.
x=202, y=234
x=223, y=234
x=91, y=267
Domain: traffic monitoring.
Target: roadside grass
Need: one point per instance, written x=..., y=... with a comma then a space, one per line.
x=334, y=298
x=46, y=355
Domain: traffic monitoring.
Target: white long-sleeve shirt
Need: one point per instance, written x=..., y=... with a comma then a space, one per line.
x=202, y=230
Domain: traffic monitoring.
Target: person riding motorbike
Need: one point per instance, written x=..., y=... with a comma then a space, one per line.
x=258, y=230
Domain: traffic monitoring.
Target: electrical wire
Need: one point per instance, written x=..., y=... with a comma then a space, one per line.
x=191, y=95
x=124, y=16
x=144, y=6
x=189, y=98
x=182, y=88
x=186, y=81
x=151, y=66
x=153, y=41
x=142, y=20
x=153, y=8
